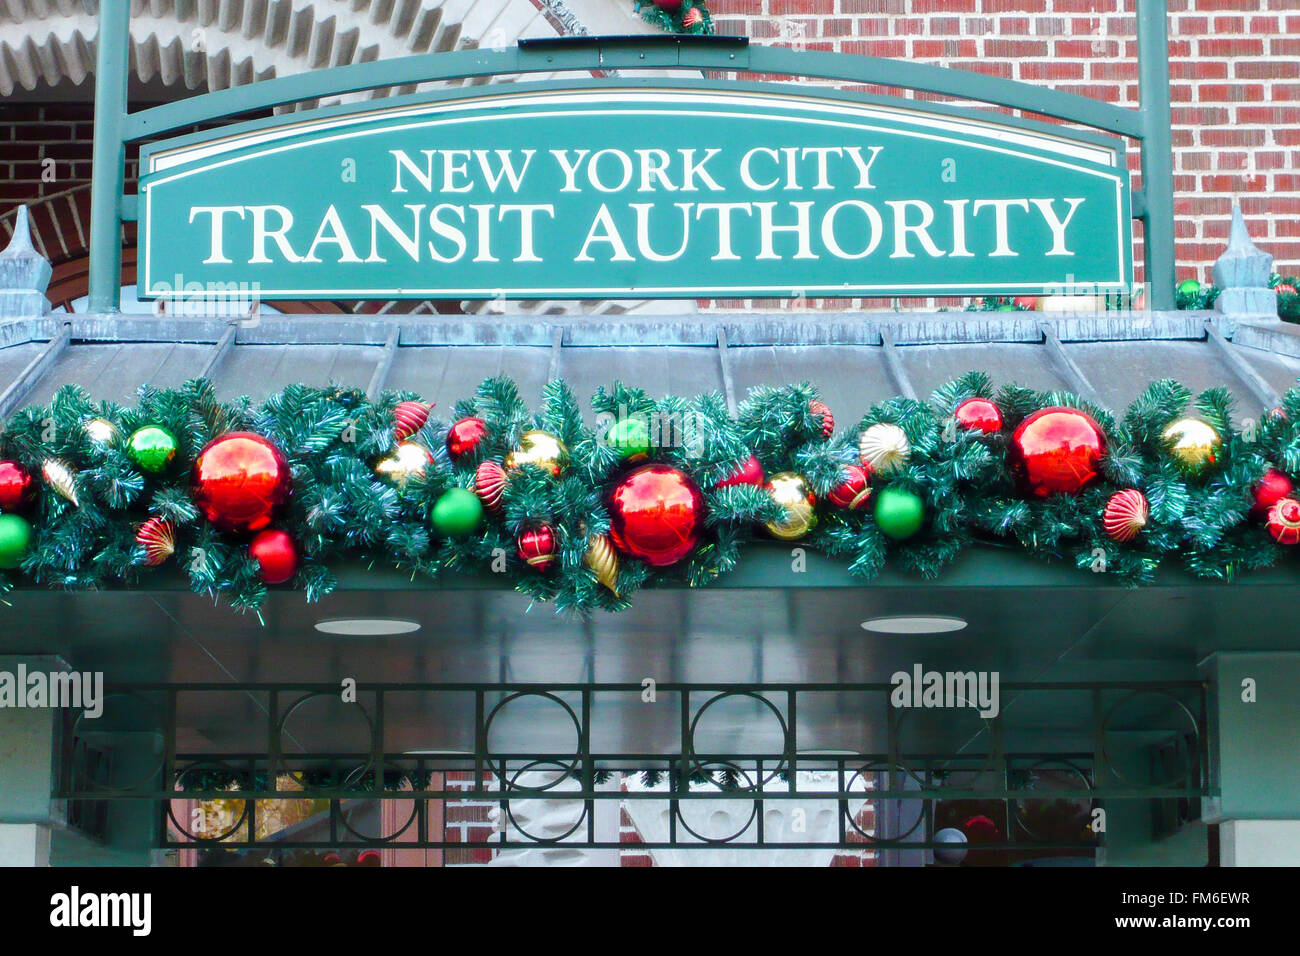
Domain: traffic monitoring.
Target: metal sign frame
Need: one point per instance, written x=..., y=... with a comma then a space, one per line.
x=115, y=126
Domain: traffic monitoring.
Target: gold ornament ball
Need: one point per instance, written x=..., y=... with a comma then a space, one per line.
x=102, y=432
x=1194, y=445
x=791, y=490
x=407, y=460
x=538, y=448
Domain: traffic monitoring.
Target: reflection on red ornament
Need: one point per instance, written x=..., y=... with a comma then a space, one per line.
x=1284, y=521
x=465, y=436
x=1057, y=450
x=749, y=473
x=536, y=547
x=276, y=555
x=239, y=480
x=15, y=486
x=656, y=514
x=854, y=491
x=979, y=414
x=1271, y=488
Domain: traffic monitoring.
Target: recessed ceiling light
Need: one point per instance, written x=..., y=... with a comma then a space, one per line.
x=913, y=624
x=366, y=627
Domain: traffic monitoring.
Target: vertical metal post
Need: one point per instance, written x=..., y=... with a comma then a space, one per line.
x=1157, y=149
x=108, y=164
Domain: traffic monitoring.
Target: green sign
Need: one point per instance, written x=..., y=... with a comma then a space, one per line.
x=634, y=189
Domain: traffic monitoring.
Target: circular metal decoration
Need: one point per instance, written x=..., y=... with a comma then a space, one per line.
x=1055, y=766
x=786, y=743
x=274, y=768
x=157, y=725
x=877, y=766
x=562, y=775
x=704, y=770
x=355, y=775
x=1185, y=713
x=502, y=770
x=219, y=765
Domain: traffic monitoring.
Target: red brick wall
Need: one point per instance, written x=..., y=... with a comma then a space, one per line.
x=1235, y=68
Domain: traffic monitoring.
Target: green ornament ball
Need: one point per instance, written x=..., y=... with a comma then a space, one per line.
x=899, y=513
x=630, y=438
x=15, y=541
x=152, y=448
x=1189, y=287
x=457, y=512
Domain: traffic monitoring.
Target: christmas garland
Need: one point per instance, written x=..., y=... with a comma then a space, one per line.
x=241, y=498
x=676, y=16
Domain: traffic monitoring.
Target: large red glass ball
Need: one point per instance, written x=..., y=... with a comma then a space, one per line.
x=656, y=513
x=1057, y=450
x=979, y=414
x=15, y=486
x=275, y=554
x=239, y=480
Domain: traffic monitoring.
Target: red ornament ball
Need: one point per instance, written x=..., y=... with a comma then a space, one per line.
x=276, y=555
x=1284, y=521
x=464, y=437
x=671, y=6
x=490, y=484
x=409, y=418
x=1271, y=488
x=821, y=410
x=15, y=486
x=1284, y=288
x=854, y=491
x=536, y=547
x=979, y=414
x=749, y=473
x=656, y=513
x=239, y=481
x=1057, y=450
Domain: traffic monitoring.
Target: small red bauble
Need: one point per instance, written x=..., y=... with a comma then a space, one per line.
x=489, y=484
x=1126, y=514
x=158, y=538
x=15, y=486
x=536, y=547
x=979, y=414
x=692, y=17
x=239, y=481
x=749, y=473
x=828, y=420
x=1057, y=450
x=656, y=514
x=1025, y=302
x=409, y=418
x=276, y=554
x=1284, y=288
x=854, y=491
x=465, y=436
x=1272, y=487
x=1284, y=521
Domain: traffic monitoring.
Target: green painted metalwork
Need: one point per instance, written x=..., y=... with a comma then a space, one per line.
x=108, y=163
x=1149, y=124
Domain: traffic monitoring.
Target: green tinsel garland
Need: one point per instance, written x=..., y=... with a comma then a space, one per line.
x=340, y=510
x=674, y=21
